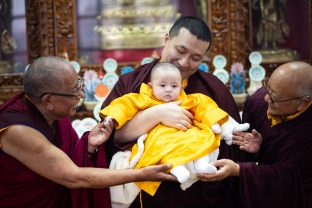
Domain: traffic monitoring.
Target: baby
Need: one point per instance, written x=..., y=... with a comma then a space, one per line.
x=190, y=151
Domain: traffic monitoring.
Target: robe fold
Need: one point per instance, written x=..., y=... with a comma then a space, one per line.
x=21, y=187
x=200, y=194
x=167, y=145
x=283, y=176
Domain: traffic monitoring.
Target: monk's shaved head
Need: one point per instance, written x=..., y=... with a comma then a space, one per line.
x=294, y=76
x=46, y=74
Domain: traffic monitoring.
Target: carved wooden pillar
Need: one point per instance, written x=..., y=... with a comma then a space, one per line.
x=10, y=84
x=51, y=28
x=65, y=28
x=229, y=21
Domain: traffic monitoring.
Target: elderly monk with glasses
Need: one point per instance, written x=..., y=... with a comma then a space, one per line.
x=281, y=114
x=43, y=163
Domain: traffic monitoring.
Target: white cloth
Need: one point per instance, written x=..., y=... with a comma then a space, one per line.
x=226, y=131
x=191, y=168
x=123, y=195
x=229, y=127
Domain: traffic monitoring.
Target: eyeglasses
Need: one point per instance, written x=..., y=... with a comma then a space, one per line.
x=267, y=88
x=76, y=94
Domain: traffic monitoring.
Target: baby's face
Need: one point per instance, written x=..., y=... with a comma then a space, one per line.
x=166, y=86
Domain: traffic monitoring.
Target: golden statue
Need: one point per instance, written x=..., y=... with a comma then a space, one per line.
x=272, y=26
x=272, y=30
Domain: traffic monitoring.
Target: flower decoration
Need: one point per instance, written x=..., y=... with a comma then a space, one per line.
x=238, y=82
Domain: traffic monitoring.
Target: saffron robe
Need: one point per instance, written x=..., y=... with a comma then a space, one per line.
x=201, y=194
x=21, y=187
x=167, y=145
x=283, y=176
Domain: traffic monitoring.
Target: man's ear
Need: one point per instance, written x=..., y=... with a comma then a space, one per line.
x=303, y=104
x=46, y=101
x=150, y=84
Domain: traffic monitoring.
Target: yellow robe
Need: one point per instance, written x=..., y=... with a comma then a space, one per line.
x=165, y=144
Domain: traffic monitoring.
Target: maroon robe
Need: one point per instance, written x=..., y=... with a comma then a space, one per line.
x=200, y=194
x=21, y=187
x=283, y=177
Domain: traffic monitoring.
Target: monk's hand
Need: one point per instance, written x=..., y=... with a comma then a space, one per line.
x=156, y=173
x=172, y=115
x=249, y=142
x=225, y=167
x=99, y=134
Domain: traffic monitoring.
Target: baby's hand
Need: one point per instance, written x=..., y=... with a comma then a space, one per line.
x=231, y=126
x=100, y=133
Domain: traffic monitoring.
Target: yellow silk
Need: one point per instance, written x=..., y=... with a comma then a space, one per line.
x=170, y=145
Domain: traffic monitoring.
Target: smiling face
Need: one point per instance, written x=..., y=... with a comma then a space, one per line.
x=62, y=100
x=278, y=91
x=185, y=51
x=67, y=105
x=289, y=89
x=166, y=82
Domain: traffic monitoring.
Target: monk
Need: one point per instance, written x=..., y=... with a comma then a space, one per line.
x=186, y=45
x=38, y=145
x=282, y=113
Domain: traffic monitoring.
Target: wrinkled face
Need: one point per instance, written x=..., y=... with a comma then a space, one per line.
x=166, y=85
x=282, y=99
x=185, y=51
x=65, y=100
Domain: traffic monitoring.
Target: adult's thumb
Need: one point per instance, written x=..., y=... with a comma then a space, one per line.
x=255, y=133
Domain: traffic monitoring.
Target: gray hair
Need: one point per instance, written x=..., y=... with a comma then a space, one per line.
x=45, y=75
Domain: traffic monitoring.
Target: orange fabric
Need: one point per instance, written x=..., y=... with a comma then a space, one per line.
x=165, y=144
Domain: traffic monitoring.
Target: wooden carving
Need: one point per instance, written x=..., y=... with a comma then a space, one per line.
x=40, y=29
x=11, y=84
x=230, y=24
x=65, y=29
x=32, y=27
x=51, y=28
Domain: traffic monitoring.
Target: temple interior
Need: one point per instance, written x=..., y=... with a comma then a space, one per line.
x=111, y=38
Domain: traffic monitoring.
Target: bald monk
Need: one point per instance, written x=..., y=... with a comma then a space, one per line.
x=43, y=163
x=282, y=113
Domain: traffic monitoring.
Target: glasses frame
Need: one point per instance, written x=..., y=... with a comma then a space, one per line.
x=267, y=88
x=76, y=94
